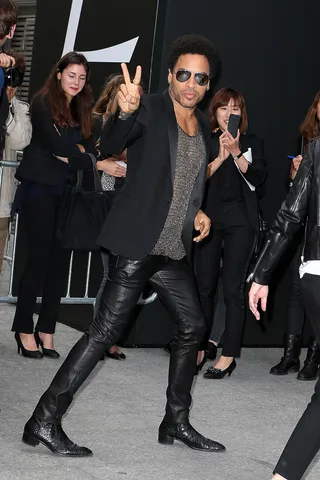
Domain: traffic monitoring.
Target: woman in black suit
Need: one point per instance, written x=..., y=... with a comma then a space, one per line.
x=61, y=121
x=237, y=170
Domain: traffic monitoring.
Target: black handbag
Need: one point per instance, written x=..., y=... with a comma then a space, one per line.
x=82, y=213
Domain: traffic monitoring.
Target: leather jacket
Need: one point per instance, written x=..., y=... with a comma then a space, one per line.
x=302, y=206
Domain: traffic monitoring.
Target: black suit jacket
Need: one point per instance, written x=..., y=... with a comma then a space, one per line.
x=140, y=209
x=256, y=175
x=39, y=163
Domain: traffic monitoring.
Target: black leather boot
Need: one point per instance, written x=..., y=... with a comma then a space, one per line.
x=175, y=425
x=53, y=437
x=45, y=424
x=311, y=366
x=290, y=361
x=186, y=434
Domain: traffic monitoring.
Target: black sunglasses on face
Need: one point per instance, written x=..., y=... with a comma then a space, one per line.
x=202, y=79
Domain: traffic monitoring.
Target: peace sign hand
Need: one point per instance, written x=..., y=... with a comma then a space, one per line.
x=129, y=93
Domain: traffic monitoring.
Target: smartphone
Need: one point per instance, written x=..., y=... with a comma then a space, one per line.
x=233, y=124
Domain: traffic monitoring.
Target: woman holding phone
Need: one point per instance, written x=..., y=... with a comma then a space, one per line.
x=236, y=171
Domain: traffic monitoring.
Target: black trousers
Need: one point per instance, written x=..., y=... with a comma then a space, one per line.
x=235, y=236
x=175, y=284
x=304, y=442
x=296, y=309
x=46, y=268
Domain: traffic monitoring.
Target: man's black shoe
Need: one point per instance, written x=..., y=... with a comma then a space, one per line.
x=186, y=434
x=53, y=437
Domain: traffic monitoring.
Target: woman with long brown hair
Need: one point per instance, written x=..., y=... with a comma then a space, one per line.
x=62, y=134
x=107, y=105
x=113, y=167
x=236, y=171
x=290, y=362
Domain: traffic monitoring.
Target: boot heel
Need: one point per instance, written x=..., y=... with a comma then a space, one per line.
x=165, y=439
x=33, y=442
x=296, y=369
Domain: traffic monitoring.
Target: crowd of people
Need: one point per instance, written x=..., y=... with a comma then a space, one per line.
x=187, y=199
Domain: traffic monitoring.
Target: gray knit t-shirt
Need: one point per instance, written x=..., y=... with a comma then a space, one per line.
x=191, y=154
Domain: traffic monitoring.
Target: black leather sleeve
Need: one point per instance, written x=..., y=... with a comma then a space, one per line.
x=290, y=217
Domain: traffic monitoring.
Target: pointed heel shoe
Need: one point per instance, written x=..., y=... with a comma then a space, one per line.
x=26, y=353
x=116, y=355
x=217, y=374
x=47, y=352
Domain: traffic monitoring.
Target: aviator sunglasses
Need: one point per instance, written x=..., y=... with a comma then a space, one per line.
x=202, y=79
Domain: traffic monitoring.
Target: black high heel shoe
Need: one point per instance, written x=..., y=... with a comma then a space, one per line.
x=116, y=355
x=24, y=351
x=47, y=352
x=200, y=366
x=217, y=374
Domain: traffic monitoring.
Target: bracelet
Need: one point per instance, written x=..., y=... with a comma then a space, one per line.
x=236, y=157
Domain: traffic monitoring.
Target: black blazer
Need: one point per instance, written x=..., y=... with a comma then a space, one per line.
x=140, y=209
x=256, y=175
x=38, y=163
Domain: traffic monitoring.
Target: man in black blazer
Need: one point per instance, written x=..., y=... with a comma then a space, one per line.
x=148, y=235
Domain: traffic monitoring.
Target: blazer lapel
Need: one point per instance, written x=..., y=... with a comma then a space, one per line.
x=205, y=129
x=172, y=131
x=199, y=186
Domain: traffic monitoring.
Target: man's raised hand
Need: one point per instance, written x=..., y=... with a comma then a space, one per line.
x=129, y=93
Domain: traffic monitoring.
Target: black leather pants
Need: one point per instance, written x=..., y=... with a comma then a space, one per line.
x=174, y=282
